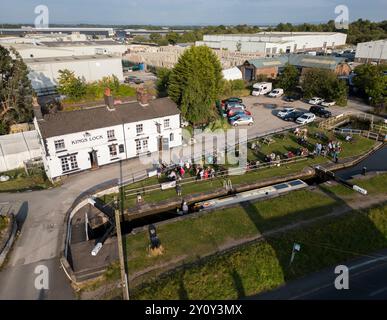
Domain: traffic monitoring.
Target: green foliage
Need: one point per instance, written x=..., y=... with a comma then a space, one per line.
x=289, y=78
x=325, y=84
x=15, y=90
x=77, y=90
x=195, y=84
x=70, y=85
x=163, y=76
x=372, y=82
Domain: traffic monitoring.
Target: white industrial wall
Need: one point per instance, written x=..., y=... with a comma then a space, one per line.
x=17, y=148
x=372, y=50
x=259, y=43
x=28, y=51
x=45, y=75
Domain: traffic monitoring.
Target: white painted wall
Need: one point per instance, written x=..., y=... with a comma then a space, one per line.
x=97, y=140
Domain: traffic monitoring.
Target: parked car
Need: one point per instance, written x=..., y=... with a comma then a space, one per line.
x=235, y=105
x=130, y=79
x=293, y=116
x=328, y=103
x=276, y=93
x=306, y=118
x=238, y=113
x=233, y=111
x=292, y=97
x=315, y=100
x=229, y=100
x=320, y=111
x=242, y=120
x=138, y=81
x=285, y=111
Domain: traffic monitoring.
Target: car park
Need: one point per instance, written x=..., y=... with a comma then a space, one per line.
x=276, y=93
x=293, y=116
x=320, y=111
x=242, y=120
x=306, y=118
x=315, y=100
x=328, y=103
x=285, y=111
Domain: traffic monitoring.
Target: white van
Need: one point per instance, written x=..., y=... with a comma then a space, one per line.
x=261, y=88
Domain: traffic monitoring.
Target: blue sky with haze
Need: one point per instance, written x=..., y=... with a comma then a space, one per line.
x=189, y=12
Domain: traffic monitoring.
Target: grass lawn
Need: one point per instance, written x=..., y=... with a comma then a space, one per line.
x=203, y=234
x=264, y=265
x=375, y=185
x=20, y=181
x=3, y=223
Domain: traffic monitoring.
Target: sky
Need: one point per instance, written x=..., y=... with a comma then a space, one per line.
x=190, y=12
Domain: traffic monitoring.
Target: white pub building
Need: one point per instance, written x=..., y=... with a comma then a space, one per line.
x=83, y=139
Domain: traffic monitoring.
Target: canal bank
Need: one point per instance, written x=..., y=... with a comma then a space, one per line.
x=85, y=247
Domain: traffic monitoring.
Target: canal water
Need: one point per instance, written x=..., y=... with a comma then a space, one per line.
x=377, y=161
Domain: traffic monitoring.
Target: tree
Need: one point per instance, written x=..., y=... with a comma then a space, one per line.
x=15, y=90
x=325, y=84
x=172, y=37
x=289, y=78
x=195, y=84
x=70, y=85
x=163, y=76
x=372, y=82
x=155, y=37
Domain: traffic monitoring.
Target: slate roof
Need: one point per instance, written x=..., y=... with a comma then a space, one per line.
x=67, y=122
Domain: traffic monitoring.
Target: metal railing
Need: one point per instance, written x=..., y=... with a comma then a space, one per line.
x=229, y=173
x=365, y=133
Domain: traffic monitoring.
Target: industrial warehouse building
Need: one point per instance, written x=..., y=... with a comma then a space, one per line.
x=274, y=43
x=79, y=140
x=50, y=49
x=44, y=72
x=270, y=67
x=372, y=52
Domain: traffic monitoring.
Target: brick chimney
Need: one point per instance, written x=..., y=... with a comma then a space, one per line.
x=109, y=100
x=142, y=97
x=37, y=109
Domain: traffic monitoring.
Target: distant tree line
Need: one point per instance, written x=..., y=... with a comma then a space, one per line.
x=358, y=31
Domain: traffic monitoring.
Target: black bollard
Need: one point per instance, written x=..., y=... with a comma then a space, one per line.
x=364, y=171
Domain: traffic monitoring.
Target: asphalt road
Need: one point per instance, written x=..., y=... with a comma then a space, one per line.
x=367, y=280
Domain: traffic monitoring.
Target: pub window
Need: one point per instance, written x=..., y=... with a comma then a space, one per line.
x=121, y=148
x=113, y=150
x=111, y=135
x=65, y=164
x=59, y=144
x=166, y=123
x=73, y=162
x=138, y=145
x=139, y=128
x=145, y=145
x=171, y=137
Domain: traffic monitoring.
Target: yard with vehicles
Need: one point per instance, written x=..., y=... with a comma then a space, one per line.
x=263, y=263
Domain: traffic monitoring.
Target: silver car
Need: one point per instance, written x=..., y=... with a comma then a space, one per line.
x=241, y=120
